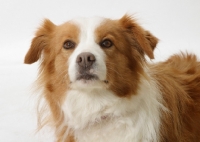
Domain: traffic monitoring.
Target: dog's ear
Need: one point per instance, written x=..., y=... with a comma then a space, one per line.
x=151, y=39
x=39, y=42
x=145, y=39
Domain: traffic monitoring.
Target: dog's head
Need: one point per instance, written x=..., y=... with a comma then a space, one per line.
x=92, y=53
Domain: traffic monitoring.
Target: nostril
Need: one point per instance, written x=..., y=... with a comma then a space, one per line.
x=85, y=59
x=91, y=58
x=79, y=59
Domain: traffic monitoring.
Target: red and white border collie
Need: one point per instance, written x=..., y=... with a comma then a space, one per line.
x=99, y=87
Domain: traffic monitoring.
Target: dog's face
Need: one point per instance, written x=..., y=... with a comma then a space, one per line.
x=92, y=53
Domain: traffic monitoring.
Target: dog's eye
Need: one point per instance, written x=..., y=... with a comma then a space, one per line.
x=69, y=44
x=106, y=43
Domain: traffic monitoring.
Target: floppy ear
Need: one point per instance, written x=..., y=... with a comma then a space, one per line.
x=145, y=39
x=39, y=42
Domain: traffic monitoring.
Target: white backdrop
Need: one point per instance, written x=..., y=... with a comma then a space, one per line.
x=175, y=22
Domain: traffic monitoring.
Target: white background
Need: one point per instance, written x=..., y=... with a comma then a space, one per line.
x=175, y=22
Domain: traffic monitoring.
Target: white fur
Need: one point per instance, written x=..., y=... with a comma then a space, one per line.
x=87, y=43
x=95, y=114
x=100, y=116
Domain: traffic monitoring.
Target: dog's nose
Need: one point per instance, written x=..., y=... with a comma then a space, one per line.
x=85, y=59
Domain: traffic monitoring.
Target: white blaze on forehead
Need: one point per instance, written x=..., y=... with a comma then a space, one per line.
x=88, y=43
x=87, y=35
x=87, y=28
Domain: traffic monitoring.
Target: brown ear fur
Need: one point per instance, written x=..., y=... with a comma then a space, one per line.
x=144, y=38
x=39, y=42
x=151, y=39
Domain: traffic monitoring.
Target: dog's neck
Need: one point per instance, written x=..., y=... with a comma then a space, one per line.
x=101, y=116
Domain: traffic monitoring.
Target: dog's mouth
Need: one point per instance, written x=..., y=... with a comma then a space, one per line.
x=88, y=81
x=87, y=77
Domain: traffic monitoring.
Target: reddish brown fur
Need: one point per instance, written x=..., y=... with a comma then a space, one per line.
x=53, y=76
x=144, y=38
x=126, y=65
x=178, y=78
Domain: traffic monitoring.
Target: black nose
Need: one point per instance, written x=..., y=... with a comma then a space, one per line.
x=85, y=59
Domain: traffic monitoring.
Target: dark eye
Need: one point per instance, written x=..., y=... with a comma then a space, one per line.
x=69, y=44
x=106, y=43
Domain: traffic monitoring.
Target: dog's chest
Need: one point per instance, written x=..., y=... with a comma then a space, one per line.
x=104, y=117
x=119, y=130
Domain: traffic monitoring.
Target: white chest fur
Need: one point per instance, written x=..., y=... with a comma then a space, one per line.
x=100, y=116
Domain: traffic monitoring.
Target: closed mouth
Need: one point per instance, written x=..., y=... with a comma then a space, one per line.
x=87, y=76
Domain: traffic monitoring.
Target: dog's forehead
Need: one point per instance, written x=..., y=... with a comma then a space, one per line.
x=88, y=26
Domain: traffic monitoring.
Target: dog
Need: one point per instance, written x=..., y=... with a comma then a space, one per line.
x=99, y=87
